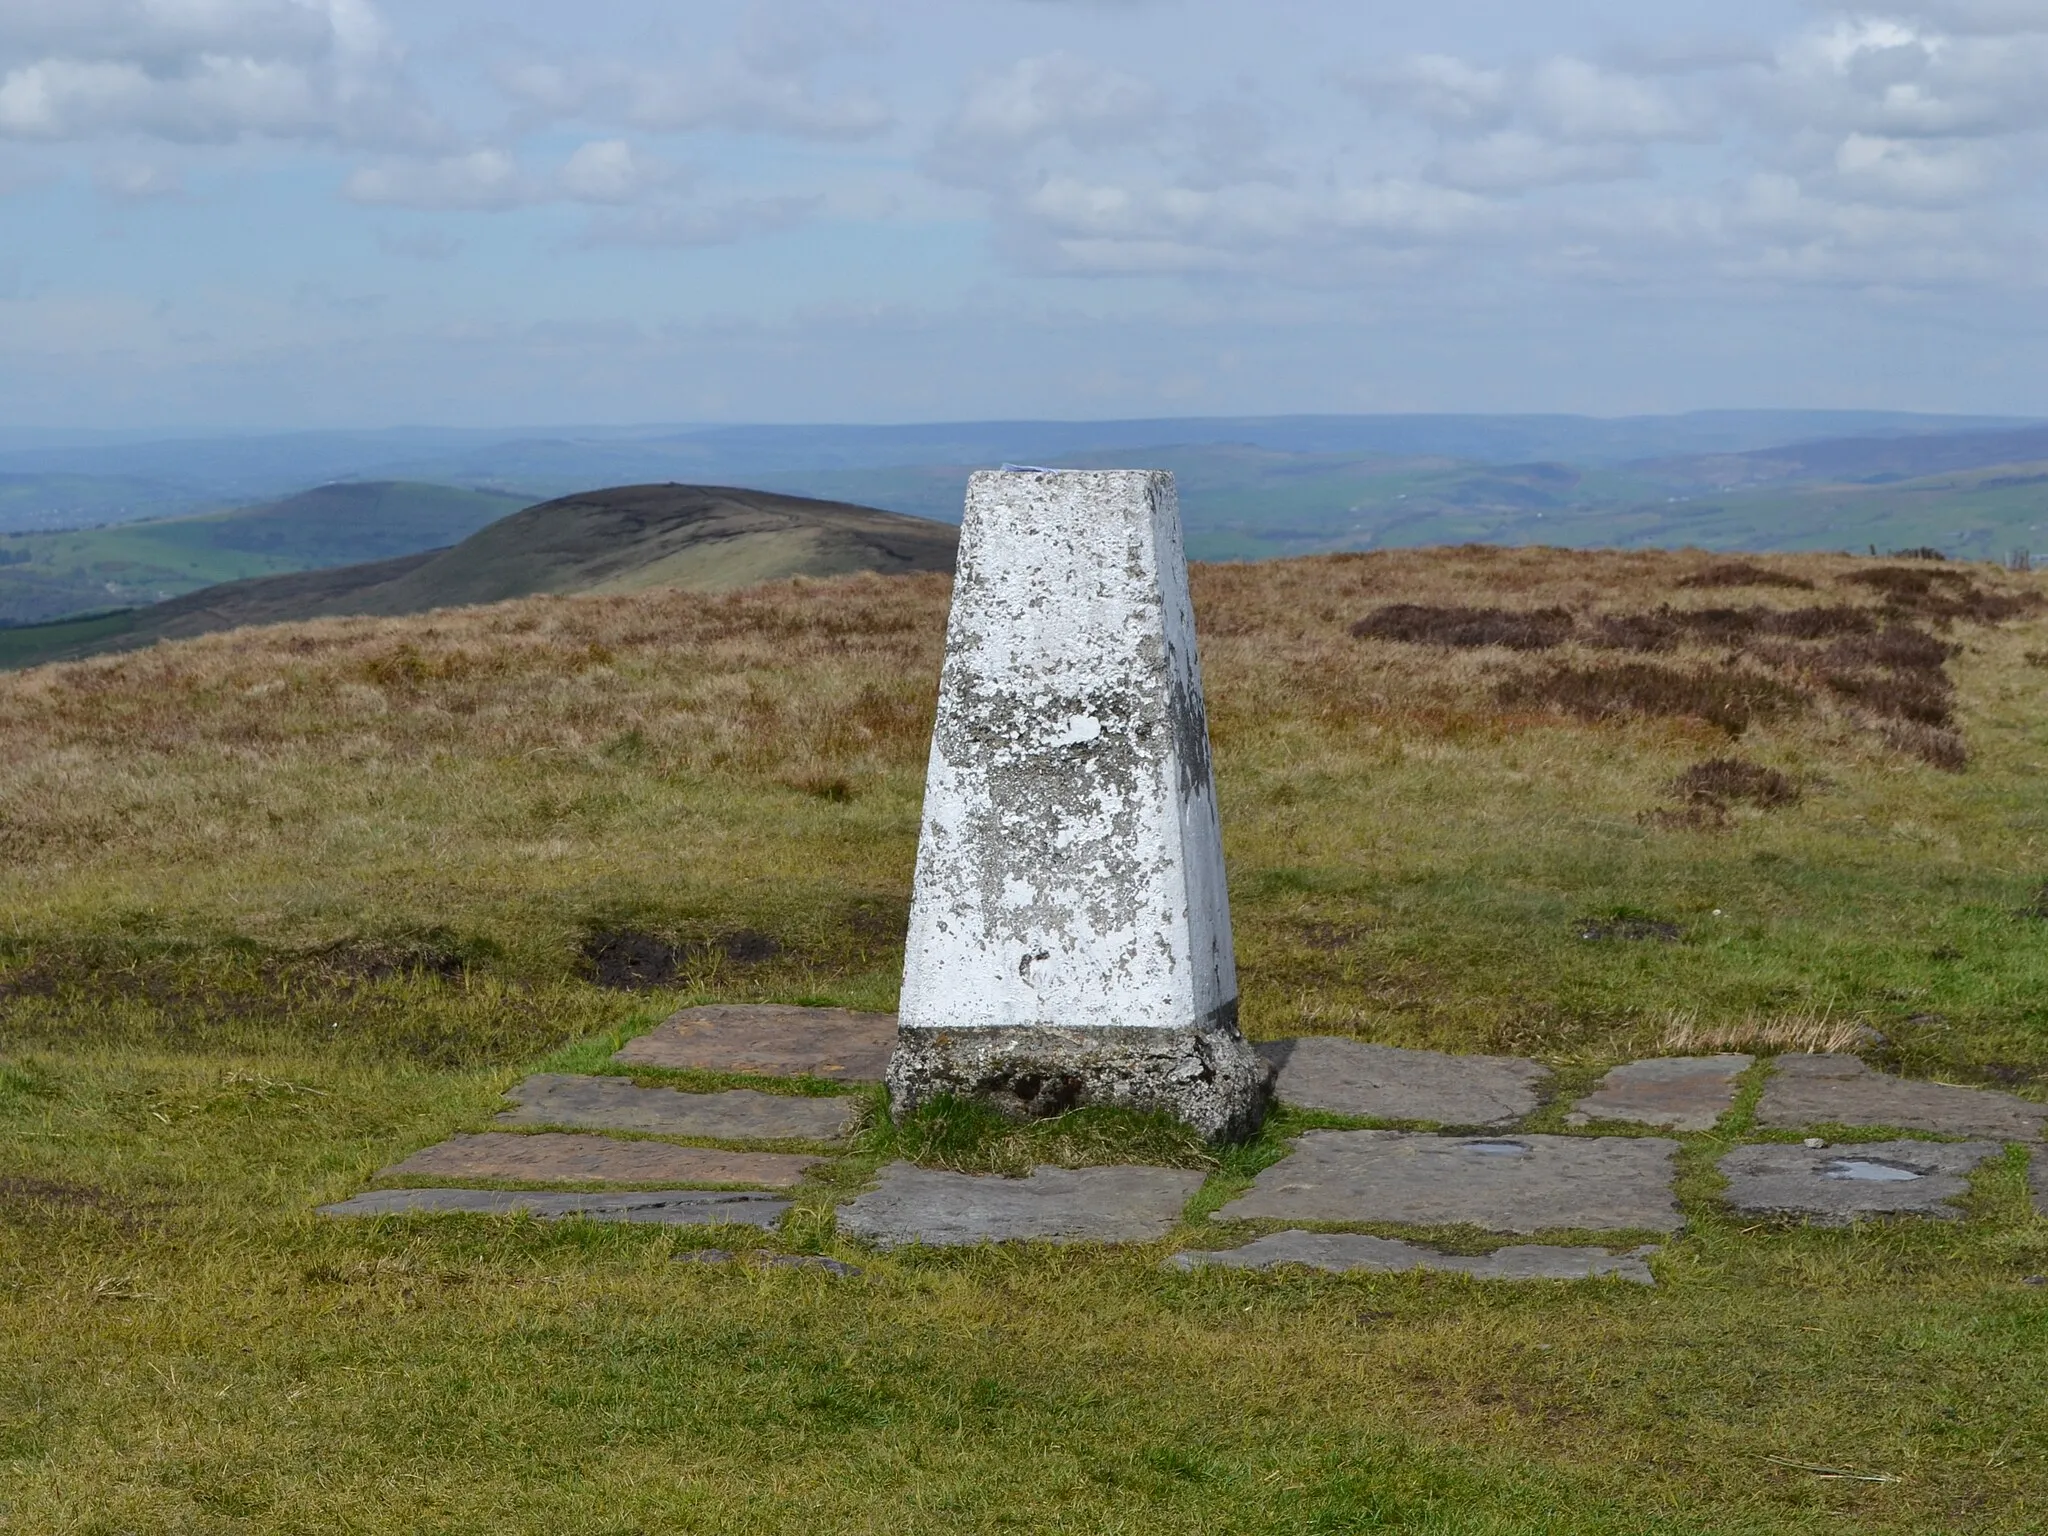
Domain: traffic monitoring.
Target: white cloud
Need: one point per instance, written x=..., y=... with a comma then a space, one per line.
x=1558, y=121
x=206, y=71
x=761, y=81
x=1911, y=171
x=1444, y=91
x=135, y=181
x=611, y=171
x=491, y=179
x=1582, y=103
x=479, y=179
x=1514, y=160
x=1054, y=96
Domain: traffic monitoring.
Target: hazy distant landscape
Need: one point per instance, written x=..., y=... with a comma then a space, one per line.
x=89, y=527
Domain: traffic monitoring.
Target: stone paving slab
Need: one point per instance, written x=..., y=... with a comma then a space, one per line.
x=1344, y=1252
x=1503, y=1184
x=1683, y=1093
x=548, y=1158
x=1831, y=1089
x=1832, y=1186
x=774, y=1041
x=663, y=1207
x=1350, y=1077
x=617, y=1104
x=1057, y=1205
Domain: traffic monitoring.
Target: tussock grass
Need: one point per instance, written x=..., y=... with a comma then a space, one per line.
x=279, y=907
x=1686, y=1035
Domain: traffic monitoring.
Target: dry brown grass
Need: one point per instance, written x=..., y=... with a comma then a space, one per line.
x=1685, y=1034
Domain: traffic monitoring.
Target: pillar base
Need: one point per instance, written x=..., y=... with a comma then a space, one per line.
x=1205, y=1076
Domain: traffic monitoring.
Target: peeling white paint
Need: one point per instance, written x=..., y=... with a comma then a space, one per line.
x=1070, y=871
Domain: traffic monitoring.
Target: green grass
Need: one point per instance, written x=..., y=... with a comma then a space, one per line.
x=26, y=645
x=280, y=908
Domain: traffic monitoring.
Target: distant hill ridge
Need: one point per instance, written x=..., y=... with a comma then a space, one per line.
x=701, y=538
x=1864, y=460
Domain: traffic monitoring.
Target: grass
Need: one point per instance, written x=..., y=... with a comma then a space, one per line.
x=48, y=576
x=283, y=905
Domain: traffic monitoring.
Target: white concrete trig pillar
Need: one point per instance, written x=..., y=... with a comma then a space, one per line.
x=1070, y=929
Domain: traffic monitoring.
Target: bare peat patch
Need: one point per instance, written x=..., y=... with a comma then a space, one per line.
x=1629, y=929
x=631, y=959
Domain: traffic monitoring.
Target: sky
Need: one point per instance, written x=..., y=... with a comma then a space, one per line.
x=282, y=214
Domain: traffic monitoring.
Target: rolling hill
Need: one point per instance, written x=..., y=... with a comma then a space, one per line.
x=46, y=576
x=1856, y=460
x=625, y=539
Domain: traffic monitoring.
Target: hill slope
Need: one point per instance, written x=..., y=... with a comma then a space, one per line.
x=625, y=539
x=279, y=907
x=48, y=575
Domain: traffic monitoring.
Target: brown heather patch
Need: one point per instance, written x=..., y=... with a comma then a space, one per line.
x=1727, y=698
x=1900, y=647
x=1422, y=624
x=1732, y=780
x=1912, y=696
x=1934, y=746
x=1945, y=596
x=1745, y=573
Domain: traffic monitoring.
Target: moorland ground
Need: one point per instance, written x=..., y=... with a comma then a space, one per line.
x=285, y=904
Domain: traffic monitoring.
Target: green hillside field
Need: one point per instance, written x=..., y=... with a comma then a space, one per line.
x=1245, y=503
x=281, y=906
x=46, y=576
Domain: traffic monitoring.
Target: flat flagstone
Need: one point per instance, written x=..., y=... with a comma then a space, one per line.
x=772, y=1040
x=1350, y=1077
x=1831, y=1089
x=663, y=1207
x=1344, y=1252
x=618, y=1104
x=1502, y=1183
x=556, y=1159
x=1832, y=1186
x=1057, y=1205
x=1684, y=1093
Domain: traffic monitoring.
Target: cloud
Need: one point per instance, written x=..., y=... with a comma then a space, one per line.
x=758, y=82
x=611, y=171
x=1049, y=99
x=491, y=179
x=477, y=180
x=207, y=71
x=137, y=181
x=639, y=200
x=1513, y=160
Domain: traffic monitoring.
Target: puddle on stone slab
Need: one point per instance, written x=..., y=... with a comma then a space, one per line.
x=1498, y=1148
x=1863, y=1168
